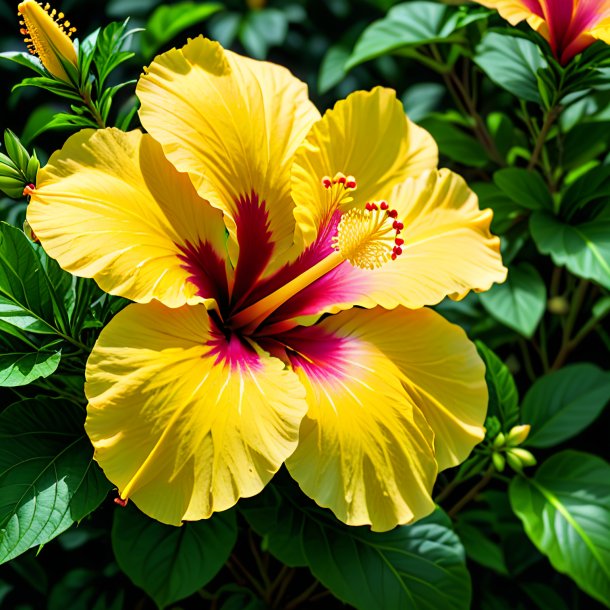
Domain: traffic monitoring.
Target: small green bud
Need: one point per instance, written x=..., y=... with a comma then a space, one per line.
x=15, y=149
x=499, y=461
x=32, y=168
x=517, y=435
x=514, y=462
x=12, y=187
x=524, y=456
x=499, y=441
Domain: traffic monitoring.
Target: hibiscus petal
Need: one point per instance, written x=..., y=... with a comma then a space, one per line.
x=110, y=206
x=233, y=124
x=365, y=136
x=365, y=451
x=183, y=420
x=448, y=250
x=440, y=369
x=515, y=11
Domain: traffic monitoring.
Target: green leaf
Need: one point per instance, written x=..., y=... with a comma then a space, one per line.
x=263, y=29
x=565, y=509
x=595, y=184
x=511, y=63
x=25, y=59
x=480, y=548
x=526, y=188
x=48, y=479
x=504, y=209
x=84, y=589
x=562, y=404
x=455, y=143
x=168, y=562
x=410, y=24
x=28, y=280
x=169, y=20
x=414, y=567
x=21, y=368
x=503, y=396
x=519, y=303
x=583, y=248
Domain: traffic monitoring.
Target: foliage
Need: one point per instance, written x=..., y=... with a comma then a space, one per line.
x=524, y=522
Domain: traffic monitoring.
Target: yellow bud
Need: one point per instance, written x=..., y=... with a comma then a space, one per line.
x=517, y=435
x=558, y=305
x=48, y=39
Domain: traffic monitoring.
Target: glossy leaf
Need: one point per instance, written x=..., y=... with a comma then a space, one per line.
x=565, y=509
x=21, y=368
x=511, y=63
x=168, y=562
x=526, y=188
x=47, y=477
x=168, y=21
x=406, y=25
x=519, y=303
x=583, y=248
x=413, y=567
x=562, y=404
x=28, y=280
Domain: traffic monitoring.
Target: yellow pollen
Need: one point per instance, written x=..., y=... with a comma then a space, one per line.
x=369, y=238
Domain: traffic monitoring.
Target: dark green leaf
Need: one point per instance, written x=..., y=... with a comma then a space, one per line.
x=563, y=403
x=544, y=596
x=21, y=368
x=526, y=188
x=47, y=477
x=35, y=293
x=565, y=509
x=455, y=143
x=168, y=21
x=24, y=59
x=503, y=397
x=593, y=185
x=263, y=29
x=511, y=63
x=583, y=248
x=168, y=562
x=519, y=303
x=415, y=567
x=480, y=548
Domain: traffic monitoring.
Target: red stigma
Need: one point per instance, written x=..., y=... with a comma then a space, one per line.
x=383, y=205
x=29, y=189
x=122, y=503
x=350, y=182
x=397, y=250
x=397, y=225
x=399, y=241
x=393, y=213
x=327, y=182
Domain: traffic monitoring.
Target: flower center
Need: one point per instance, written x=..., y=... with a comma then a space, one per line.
x=369, y=238
x=366, y=238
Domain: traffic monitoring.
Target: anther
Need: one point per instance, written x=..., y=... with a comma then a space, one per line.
x=393, y=213
x=350, y=182
x=122, y=503
x=397, y=224
x=327, y=182
x=339, y=178
x=29, y=189
x=383, y=205
x=399, y=241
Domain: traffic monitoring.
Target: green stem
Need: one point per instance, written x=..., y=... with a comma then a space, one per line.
x=527, y=361
x=549, y=119
x=474, y=491
x=567, y=342
x=92, y=108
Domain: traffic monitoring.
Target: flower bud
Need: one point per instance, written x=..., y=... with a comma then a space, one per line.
x=499, y=461
x=519, y=458
x=517, y=435
x=499, y=441
x=48, y=36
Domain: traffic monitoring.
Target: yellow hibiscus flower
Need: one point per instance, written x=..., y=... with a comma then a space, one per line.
x=280, y=262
